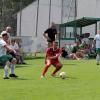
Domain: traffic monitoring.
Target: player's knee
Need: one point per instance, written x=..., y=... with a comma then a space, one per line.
x=48, y=62
x=48, y=65
x=59, y=65
x=13, y=61
x=7, y=63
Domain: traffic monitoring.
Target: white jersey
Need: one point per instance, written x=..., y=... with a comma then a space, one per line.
x=2, y=48
x=97, y=39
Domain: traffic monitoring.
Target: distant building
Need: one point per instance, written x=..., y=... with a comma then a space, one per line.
x=61, y=11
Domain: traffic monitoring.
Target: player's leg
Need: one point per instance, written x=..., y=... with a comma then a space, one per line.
x=58, y=66
x=75, y=57
x=12, y=67
x=5, y=62
x=45, y=68
x=98, y=55
x=6, y=67
x=79, y=54
x=97, y=59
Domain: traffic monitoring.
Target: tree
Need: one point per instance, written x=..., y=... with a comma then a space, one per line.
x=8, y=11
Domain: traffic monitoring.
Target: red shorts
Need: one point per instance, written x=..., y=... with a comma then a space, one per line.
x=54, y=63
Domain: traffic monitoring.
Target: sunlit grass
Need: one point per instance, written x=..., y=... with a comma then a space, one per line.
x=82, y=82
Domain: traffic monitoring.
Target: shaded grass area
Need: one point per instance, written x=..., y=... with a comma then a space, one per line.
x=82, y=82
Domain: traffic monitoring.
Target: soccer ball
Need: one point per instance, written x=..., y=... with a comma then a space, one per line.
x=62, y=75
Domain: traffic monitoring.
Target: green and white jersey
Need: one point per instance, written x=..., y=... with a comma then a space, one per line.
x=97, y=39
x=2, y=48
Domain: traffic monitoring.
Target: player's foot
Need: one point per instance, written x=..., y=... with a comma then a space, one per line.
x=13, y=75
x=97, y=63
x=42, y=76
x=23, y=63
x=53, y=75
x=5, y=77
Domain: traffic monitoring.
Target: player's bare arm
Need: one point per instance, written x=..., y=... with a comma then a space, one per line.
x=45, y=35
x=9, y=49
x=52, y=57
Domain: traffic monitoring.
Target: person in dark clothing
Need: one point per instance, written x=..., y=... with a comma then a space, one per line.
x=77, y=50
x=50, y=33
x=70, y=55
x=76, y=47
x=64, y=53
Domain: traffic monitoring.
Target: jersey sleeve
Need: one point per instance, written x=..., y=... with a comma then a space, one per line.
x=46, y=31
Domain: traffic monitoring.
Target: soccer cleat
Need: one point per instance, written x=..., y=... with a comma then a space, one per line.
x=13, y=75
x=23, y=63
x=5, y=77
x=42, y=76
x=97, y=63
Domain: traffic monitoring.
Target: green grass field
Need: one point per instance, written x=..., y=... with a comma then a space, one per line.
x=83, y=82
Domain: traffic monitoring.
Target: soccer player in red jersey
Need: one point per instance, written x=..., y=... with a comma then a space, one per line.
x=52, y=58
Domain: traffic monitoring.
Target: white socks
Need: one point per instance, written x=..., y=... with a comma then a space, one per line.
x=12, y=67
x=5, y=71
x=98, y=58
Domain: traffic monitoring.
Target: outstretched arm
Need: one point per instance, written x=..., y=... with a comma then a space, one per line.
x=9, y=49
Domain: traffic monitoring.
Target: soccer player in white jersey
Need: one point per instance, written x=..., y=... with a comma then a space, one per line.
x=6, y=60
x=97, y=44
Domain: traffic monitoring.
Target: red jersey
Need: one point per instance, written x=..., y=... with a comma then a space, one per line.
x=50, y=52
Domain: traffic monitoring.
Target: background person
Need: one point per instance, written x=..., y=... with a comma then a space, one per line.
x=51, y=33
x=97, y=45
x=70, y=55
x=14, y=45
x=7, y=60
x=9, y=31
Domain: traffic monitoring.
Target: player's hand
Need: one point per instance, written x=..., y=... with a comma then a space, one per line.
x=57, y=55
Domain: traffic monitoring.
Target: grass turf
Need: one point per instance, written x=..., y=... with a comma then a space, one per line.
x=82, y=82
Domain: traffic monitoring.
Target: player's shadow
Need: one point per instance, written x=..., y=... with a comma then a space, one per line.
x=67, y=77
x=19, y=78
x=70, y=77
x=21, y=65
